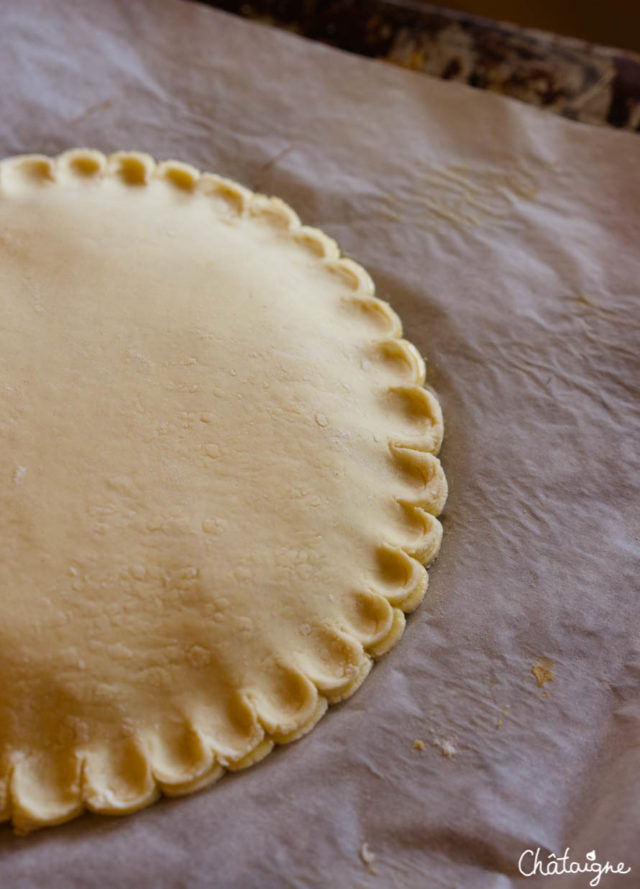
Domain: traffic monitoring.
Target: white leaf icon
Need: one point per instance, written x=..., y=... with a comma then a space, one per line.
x=591, y=855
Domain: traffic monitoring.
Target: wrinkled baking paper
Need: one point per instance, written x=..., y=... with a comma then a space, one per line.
x=508, y=240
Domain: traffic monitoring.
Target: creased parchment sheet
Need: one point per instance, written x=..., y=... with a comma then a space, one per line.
x=508, y=242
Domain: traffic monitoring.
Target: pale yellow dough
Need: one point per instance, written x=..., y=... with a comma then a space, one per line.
x=219, y=480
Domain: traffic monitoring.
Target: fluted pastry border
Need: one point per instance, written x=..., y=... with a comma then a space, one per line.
x=417, y=455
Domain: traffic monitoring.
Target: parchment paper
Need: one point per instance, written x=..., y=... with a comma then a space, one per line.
x=508, y=242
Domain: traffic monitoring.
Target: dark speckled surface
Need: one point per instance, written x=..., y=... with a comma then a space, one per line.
x=579, y=80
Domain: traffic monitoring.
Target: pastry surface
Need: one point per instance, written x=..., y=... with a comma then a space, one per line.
x=219, y=480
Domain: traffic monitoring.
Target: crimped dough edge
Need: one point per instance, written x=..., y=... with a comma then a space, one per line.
x=143, y=782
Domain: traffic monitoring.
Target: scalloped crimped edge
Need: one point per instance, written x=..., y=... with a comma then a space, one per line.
x=77, y=783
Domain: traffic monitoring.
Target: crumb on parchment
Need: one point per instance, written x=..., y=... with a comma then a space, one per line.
x=446, y=748
x=368, y=858
x=542, y=671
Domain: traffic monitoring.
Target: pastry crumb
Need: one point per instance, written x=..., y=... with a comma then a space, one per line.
x=446, y=748
x=368, y=858
x=417, y=744
x=542, y=671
